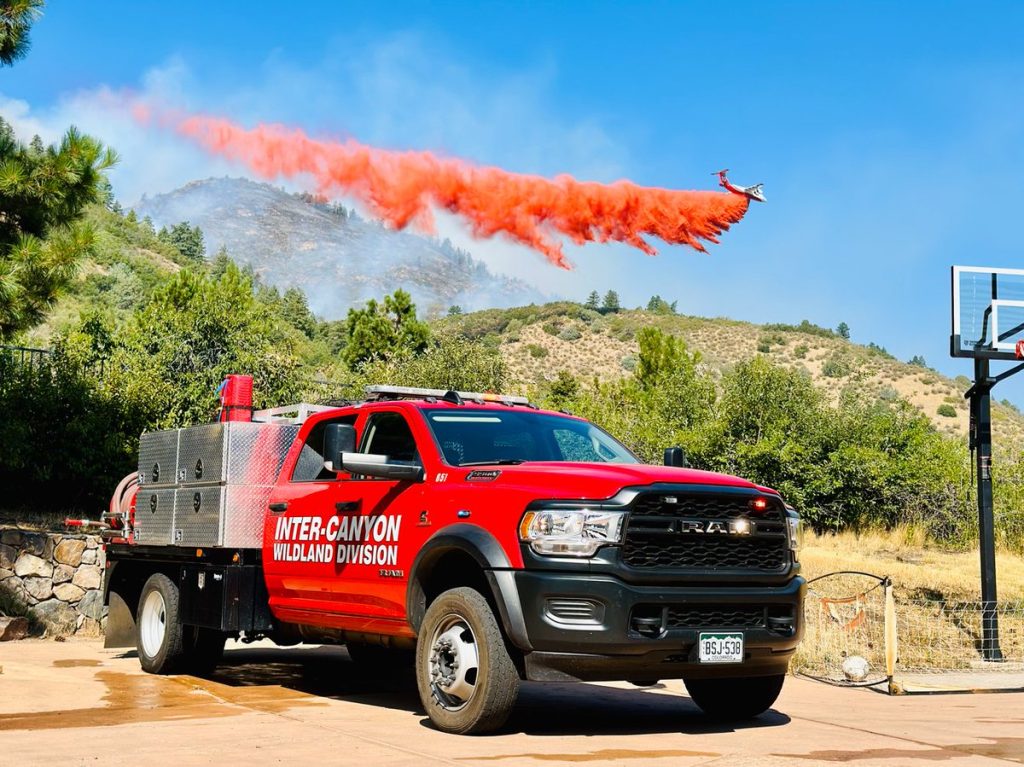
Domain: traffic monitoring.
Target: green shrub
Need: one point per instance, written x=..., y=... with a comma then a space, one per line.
x=836, y=366
x=514, y=329
x=537, y=351
x=888, y=394
x=801, y=351
x=804, y=327
x=570, y=333
x=946, y=410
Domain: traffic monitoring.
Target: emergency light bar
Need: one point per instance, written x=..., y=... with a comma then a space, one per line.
x=376, y=393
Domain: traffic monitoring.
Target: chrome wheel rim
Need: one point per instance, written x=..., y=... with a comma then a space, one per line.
x=454, y=666
x=153, y=623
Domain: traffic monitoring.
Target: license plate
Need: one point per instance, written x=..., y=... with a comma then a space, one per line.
x=721, y=648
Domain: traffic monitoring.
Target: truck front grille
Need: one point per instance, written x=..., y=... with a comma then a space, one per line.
x=653, y=620
x=702, y=506
x=693, y=532
x=680, y=617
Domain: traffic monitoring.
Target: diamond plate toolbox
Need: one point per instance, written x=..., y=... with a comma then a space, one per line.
x=236, y=453
x=220, y=515
x=154, y=515
x=158, y=458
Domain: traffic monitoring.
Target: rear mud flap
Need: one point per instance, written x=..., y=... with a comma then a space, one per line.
x=120, y=623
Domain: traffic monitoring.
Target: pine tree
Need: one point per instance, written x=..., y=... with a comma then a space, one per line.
x=383, y=329
x=843, y=330
x=295, y=311
x=593, y=301
x=611, y=302
x=659, y=305
x=187, y=239
x=43, y=194
x=16, y=18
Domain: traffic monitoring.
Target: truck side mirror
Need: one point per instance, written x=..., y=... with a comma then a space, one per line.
x=674, y=456
x=338, y=438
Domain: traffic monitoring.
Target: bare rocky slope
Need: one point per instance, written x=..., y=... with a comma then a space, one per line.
x=338, y=258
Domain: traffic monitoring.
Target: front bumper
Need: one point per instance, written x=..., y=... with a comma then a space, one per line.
x=598, y=627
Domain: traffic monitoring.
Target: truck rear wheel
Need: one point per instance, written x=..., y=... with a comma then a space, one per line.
x=735, y=699
x=466, y=679
x=159, y=637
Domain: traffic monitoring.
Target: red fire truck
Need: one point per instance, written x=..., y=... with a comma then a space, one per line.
x=499, y=541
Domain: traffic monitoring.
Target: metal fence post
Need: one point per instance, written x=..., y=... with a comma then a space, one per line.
x=891, y=638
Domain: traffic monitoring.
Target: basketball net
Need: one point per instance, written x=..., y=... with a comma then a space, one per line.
x=1019, y=349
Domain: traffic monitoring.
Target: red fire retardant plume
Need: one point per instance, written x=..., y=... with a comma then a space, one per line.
x=401, y=188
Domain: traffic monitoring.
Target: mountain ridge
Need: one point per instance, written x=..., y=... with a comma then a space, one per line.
x=539, y=341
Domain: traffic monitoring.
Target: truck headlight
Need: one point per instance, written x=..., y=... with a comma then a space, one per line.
x=793, y=526
x=571, y=532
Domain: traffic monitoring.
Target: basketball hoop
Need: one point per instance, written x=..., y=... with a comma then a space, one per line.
x=1019, y=349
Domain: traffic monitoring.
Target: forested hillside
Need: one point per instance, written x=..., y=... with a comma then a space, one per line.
x=146, y=330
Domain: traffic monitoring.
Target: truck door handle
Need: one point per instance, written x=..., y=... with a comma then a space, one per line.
x=279, y=506
x=343, y=506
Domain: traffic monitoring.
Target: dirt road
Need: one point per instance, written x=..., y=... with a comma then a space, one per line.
x=72, y=703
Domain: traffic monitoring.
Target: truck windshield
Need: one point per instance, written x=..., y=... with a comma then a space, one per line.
x=481, y=437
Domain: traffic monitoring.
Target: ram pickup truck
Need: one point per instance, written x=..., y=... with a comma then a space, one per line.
x=498, y=541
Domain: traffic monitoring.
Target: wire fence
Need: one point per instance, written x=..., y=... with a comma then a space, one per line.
x=859, y=631
x=939, y=636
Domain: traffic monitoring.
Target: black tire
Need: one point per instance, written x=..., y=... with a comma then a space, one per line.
x=459, y=624
x=159, y=637
x=735, y=699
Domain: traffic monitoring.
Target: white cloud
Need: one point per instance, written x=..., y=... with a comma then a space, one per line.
x=403, y=92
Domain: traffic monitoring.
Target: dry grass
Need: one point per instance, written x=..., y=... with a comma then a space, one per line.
x=936, y=592
x=918, y=570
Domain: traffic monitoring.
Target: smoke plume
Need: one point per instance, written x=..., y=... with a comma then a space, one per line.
x=402, y=187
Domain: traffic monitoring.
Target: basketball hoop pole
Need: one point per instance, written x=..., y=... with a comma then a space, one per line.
x=980, y=395
x=987, y=324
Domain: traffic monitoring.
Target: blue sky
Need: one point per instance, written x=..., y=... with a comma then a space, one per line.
x=890, y=136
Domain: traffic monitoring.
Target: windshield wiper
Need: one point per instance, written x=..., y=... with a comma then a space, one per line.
x=496, y=462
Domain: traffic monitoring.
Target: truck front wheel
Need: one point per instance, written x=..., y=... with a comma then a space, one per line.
x=735, y=699
x=466, y=679
x=158, y=631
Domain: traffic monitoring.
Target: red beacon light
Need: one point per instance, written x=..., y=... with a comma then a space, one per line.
x=759, y=504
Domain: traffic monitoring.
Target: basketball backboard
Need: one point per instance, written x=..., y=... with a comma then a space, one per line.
x=988, y=313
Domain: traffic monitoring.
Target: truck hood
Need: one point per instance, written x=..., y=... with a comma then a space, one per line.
x=592, y=481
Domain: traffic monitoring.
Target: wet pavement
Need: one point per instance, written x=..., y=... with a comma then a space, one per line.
x=75, y=703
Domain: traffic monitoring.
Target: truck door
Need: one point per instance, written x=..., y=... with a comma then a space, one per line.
x=377, y=514
x=299, y=552
x=331, y=552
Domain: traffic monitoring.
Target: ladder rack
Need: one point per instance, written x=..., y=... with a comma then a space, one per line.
x=295, y=414
x=378, y=393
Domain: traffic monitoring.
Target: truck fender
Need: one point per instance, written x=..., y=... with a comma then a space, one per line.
x=485, y=550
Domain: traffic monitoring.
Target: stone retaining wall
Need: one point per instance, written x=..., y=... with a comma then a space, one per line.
x=54, y=579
